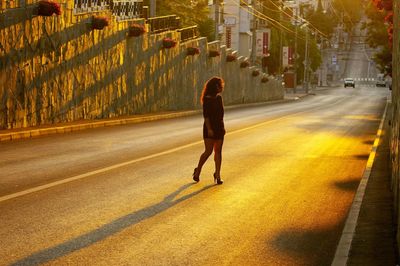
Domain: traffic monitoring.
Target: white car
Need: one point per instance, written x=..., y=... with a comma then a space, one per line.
x=349, y=82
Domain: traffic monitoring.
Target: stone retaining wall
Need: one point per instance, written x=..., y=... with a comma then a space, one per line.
x=57, y=69
x=395, y=114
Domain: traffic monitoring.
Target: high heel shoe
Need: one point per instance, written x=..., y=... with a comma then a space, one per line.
x=218, y=180
x=195, y=178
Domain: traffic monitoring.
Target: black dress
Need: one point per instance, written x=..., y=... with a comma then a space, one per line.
x=213, y=109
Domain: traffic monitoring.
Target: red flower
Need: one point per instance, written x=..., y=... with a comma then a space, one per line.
x=255, y=73
x=389, y=17
x=192, y=51
x=48, y=8
x=168, y=43
x=244, y=64
x=135, y=30
x=383, y=4
x=99, y=23
x=230, y=58
x=213, y=53
x=387, y=5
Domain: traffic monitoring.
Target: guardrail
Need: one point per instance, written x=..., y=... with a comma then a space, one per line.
x=189, y=33
x=160, y=24
x=127, y=9
x=121, y=9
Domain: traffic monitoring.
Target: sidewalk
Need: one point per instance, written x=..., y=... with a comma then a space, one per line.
x=373, y=241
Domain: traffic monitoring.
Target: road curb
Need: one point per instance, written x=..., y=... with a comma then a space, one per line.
x=77, y=127
x=36, y=132
x=343, y=249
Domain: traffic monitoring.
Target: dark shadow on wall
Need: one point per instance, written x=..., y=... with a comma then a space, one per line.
x=78, y=60
x=15, y=16
x=73, y=63
x=81, y=93
x=159, y=97
x=53, y=42
x=109, y=229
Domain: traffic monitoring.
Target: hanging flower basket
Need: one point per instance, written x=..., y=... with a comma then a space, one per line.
x=244, y=64
x=99, y=23
x=48, y=8
x=192, y=51
x=231, y=58
x=136, y=30
x=383, y=4
x=255, y=73
x=213, y=53
x=387, y=5
x=168, y=43
x=264, y=80
x=389, y=17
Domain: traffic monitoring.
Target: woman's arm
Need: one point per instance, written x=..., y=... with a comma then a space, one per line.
x=207, y=114
x=209, y=128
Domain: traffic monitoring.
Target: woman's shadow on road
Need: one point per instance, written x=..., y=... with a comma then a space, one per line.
x=109, y=229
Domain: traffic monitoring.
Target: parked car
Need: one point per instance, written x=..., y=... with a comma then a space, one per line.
x=349, y=82
x=380, y=80
x=389, y=82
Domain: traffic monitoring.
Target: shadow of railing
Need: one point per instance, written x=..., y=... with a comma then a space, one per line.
x=80, y=59
x=109, y=229
x=157, y=77
x=62, y=38
x=14, y=16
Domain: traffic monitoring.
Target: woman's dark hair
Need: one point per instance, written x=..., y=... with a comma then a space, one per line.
x=212, y=87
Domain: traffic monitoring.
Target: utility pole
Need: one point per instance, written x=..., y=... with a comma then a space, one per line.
x=152, y=8
x=280, y=39
x=217, y=3
x=305, y=79
x=295, y=52
x=254, y=39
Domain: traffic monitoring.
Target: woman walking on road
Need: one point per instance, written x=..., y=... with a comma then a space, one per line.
x=213, y=127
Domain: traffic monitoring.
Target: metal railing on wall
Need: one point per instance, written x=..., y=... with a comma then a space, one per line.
x=83, y=6
x=121, y=9
x=189, y=33
x=160, y=24
x=127, y=9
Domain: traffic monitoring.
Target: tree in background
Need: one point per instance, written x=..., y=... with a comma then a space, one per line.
x=191, y=13
x=350, y=12
x=270, y=9
x=323, y=20
x=380, y=32
x=282, y=24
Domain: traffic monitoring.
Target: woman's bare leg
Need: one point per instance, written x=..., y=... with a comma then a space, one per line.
x=208, y=145
x=218, y=156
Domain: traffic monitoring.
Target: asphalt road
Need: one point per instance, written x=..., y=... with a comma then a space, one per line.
x=290, y=170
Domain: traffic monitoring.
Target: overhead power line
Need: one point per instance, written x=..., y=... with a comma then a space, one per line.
x=264, y=17
x=298, y=17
